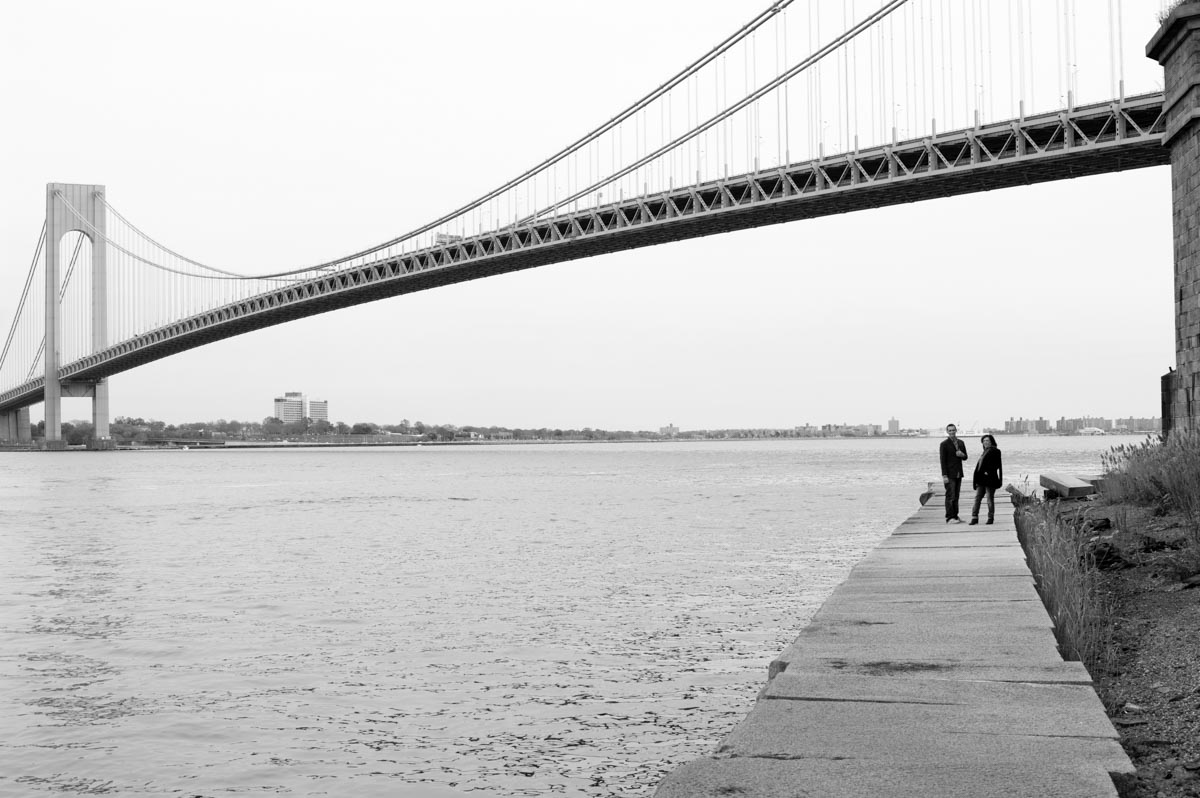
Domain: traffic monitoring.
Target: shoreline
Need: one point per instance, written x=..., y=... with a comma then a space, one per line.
x=197, y=444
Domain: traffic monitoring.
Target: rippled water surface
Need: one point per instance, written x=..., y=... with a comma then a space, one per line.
x=433, y=621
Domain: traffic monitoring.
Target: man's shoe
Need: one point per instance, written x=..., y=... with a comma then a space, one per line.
x=989, y=521
x=974, y=521
x=955, y=520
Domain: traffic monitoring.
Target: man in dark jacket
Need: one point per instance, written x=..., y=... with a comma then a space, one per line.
x=952, y=453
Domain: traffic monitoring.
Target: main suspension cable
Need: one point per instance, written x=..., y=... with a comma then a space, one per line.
x=24, y=293
x=217, y=274
x=743, y=103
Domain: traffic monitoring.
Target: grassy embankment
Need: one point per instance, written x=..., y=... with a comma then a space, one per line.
x=1068, y=543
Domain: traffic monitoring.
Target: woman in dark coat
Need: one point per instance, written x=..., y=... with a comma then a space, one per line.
x=989, y=475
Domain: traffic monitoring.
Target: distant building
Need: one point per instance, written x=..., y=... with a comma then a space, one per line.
x=1072, y=426
x=670, y=430
x=318, y=409
x=850, y=430
x=1026, y=426
x=290, y=407
x=893, y=426
x=1132, y=424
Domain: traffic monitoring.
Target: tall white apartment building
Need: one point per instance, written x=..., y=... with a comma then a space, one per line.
x=290, y=407
x=318, y=409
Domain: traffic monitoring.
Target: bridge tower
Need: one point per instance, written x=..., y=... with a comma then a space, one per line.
x=1176, y=46
x=88, y=202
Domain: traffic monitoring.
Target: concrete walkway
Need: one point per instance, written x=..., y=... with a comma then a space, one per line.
x=931, y=671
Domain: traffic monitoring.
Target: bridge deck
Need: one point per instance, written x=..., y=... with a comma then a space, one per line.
x=933, y=671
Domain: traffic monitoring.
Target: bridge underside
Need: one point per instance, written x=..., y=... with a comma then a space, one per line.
x=1088, y=141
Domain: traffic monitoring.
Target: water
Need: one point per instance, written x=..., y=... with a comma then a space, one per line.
x=434, y=621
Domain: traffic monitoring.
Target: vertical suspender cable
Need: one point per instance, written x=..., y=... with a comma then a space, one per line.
x=991, y=65
x=787, y=102
x=925, y=116
x=947, y=84
x=880, y=71
x=1074, y=49
x=843, y=97
x=1121, y=48
x=967, y=76
x=872, y=108
x=747, y=117
x=1058, y=40
x=1112, y=51
x=977, y=62
x=727, y=150
x=1021, y=49
x=910, y=70
x=756, y=127
x=1032, y=50
x=892, y=76
x=819, y=117
x=1012, y=86
x=812, y=90
x=853, y=97
x=778, y=100
x=913, y=92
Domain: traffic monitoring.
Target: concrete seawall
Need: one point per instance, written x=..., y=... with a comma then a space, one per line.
x=931, y=671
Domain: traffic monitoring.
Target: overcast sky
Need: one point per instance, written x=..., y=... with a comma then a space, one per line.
x=258, y=136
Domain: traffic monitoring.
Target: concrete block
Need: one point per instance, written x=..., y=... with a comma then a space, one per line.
x=974, y=706
x=952, y=589
x=872, y=734
x=997, y=614
x=899, y=648
x=842, y=778
x=1066, y=486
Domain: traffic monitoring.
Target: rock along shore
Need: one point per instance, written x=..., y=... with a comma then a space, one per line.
x=931, y=671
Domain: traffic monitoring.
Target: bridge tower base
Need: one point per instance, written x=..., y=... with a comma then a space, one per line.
x=1176, y=46
x=24, y=428
x=65, y=204
x=15, y=427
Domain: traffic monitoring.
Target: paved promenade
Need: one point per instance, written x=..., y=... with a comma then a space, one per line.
x=931, y=671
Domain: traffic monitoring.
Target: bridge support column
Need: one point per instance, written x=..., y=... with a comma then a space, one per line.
x=1176, y=46
x=100, y=411
x=87, y=202
x=24, y=428
x=8, y=427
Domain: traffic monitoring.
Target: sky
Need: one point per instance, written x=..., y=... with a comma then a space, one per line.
x=269, y=135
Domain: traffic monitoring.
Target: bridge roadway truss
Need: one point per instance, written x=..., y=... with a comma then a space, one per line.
x=1087, y=140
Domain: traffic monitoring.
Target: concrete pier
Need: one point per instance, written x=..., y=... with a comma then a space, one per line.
x=931, y=671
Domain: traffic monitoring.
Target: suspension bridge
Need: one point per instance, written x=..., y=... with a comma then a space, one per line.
x=811, y=108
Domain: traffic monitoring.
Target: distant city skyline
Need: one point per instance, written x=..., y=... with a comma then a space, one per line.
x=294, y=406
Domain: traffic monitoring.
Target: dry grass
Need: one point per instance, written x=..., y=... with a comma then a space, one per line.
x=1164, y=475
x=1056, y=542
x=1062, y=546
